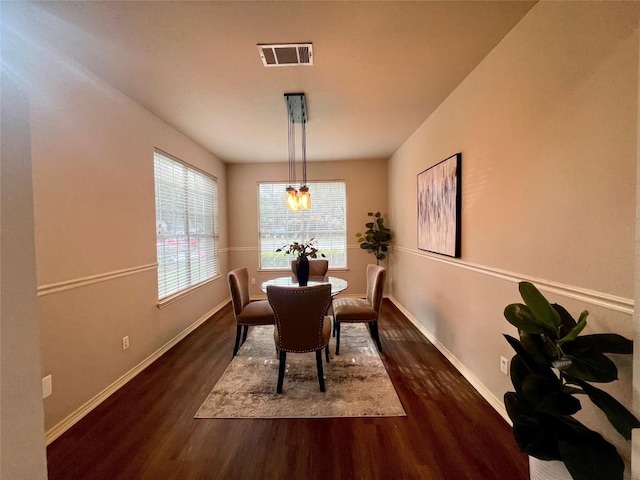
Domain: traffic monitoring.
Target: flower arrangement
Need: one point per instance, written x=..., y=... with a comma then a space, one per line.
x=302, y=249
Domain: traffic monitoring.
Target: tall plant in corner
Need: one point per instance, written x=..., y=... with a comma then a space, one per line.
x=552, y=367
x=377, y=238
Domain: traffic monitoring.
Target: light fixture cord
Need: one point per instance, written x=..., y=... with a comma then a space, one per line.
x=292, y=145
x=304, y=149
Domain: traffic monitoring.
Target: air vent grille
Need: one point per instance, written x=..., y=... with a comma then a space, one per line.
x=286, y=55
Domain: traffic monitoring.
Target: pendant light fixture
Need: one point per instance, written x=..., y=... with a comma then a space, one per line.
x=297, y=113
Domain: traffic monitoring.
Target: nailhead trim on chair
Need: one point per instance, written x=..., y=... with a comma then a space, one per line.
x=303, y=292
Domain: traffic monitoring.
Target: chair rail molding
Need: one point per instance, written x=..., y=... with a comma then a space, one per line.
x=101, y=277
x=613, y=302
x=242, y=249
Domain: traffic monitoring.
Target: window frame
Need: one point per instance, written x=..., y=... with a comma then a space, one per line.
x=197, y=229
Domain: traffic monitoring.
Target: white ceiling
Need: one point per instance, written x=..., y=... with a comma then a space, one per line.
x=380, y=68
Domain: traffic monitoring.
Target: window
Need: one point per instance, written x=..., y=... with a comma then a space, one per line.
x=325, y=221
x=186, y=215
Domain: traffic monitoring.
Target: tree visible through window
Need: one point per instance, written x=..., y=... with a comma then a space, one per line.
x=325, y=221
x=186, y=215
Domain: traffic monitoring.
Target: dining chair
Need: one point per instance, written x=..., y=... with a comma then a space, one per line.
x=245, y=311
x=317, y=267
x=301, y=324
x=362, y=310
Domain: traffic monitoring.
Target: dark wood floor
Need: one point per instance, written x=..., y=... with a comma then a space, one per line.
x=146, y=430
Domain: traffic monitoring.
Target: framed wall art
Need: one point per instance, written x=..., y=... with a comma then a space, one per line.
x=439, y=202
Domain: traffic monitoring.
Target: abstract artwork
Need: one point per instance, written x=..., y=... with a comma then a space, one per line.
x=439, y=195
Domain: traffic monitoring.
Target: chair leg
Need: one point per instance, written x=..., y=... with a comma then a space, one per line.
x=244, y=334
x=326, y=352
x=332, y=314
x=237, y=345
x=337, y=338
x=376, y=335
x=283, y=363
x=320, y=373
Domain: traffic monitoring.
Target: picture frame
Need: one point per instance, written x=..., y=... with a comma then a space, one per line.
x=439, y=205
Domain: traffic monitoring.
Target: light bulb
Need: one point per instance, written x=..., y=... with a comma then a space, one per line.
x=292, y=198
x=304, y=199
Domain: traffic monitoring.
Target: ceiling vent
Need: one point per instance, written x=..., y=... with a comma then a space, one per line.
x=286, y=55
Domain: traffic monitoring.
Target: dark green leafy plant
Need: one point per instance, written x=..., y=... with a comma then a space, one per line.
x=302, y=249
x=552, y=366
x=377, y=238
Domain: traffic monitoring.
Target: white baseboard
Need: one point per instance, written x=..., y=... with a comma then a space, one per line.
x=495, y=402
x=87, y=407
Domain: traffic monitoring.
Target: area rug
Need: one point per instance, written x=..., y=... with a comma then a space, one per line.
x=356, y=381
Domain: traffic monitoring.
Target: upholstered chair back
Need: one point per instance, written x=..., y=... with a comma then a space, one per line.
x=239, y=287
x=317, y=267
x=300, y=316
x=375, y=285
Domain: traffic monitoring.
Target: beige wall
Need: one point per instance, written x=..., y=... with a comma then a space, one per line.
x=94, y=211
x=366, y=184
x=22, y=444
x=635, y=448
x=547, y=128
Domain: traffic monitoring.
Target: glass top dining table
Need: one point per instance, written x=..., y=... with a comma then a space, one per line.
x=337, y=284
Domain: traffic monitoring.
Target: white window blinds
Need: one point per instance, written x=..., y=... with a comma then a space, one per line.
x=186, y=215
x=325, y=221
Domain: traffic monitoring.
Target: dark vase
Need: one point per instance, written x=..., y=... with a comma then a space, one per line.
x=302, y=271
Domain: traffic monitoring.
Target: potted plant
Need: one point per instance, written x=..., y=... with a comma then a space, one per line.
x=377, y=238
x=303, y=251
x=552, y=367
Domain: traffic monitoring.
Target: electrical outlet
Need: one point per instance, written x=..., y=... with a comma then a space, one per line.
x=504, y=365
x=47, y=386
x=253, y=281
x=125, y=342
